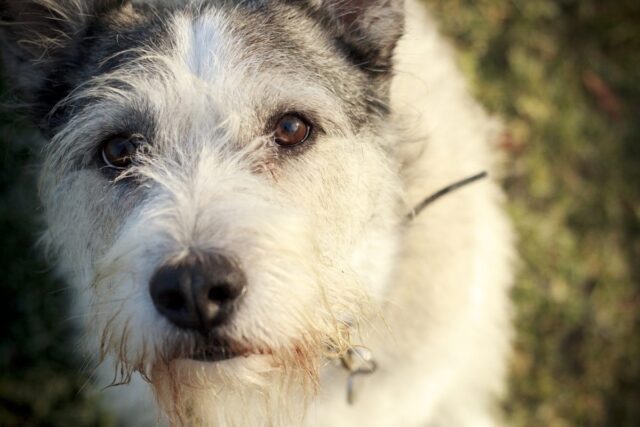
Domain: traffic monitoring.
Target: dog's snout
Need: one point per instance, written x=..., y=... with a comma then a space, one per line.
x=198, y=292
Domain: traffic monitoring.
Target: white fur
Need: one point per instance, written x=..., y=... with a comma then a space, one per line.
x=444, y=360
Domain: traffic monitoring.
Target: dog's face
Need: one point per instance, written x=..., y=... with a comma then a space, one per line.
x=218, y=181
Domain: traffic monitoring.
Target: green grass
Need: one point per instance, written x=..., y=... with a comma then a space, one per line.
x=565, y=77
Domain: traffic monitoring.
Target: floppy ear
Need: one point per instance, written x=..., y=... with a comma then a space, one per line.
x=370, y=29
x=37, y=35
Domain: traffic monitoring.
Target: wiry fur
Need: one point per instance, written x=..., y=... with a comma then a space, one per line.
x=318, y=230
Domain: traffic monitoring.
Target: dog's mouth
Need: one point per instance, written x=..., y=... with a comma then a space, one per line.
x=223, y=350
x=216, y=354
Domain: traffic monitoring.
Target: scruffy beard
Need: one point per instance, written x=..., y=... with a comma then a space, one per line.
x=200, y=381
x=271, y=387
x=255, y=390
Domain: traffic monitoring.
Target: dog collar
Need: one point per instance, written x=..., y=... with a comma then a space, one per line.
x=446, y=190
x=358, y=361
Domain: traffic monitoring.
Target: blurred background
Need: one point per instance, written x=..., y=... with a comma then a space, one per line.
x=564, y=76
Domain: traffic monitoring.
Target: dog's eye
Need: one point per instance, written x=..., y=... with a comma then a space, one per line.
x=291, y=130
x=118, y=152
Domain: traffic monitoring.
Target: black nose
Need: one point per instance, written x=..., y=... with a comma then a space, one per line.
x=199, y=291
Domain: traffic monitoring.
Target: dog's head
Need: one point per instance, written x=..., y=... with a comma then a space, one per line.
x=218, y=181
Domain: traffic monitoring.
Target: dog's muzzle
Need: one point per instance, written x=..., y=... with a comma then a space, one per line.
x=199, y=292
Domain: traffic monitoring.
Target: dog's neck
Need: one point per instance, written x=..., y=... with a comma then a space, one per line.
x=358, y=360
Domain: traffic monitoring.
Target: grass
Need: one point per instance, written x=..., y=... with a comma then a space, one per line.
x=565, y=77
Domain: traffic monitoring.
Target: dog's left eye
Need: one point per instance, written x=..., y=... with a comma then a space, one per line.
x=291, y=129
x=119, y=152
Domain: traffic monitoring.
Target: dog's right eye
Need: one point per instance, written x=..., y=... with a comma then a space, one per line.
x=119, y=152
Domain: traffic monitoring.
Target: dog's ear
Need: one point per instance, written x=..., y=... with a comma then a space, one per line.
x=370, y=29
x=35, y=35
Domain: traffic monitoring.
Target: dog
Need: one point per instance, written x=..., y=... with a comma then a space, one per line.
x=238, y=192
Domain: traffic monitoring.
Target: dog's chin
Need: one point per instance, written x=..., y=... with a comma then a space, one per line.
x=210, y=369
x=193, y=386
